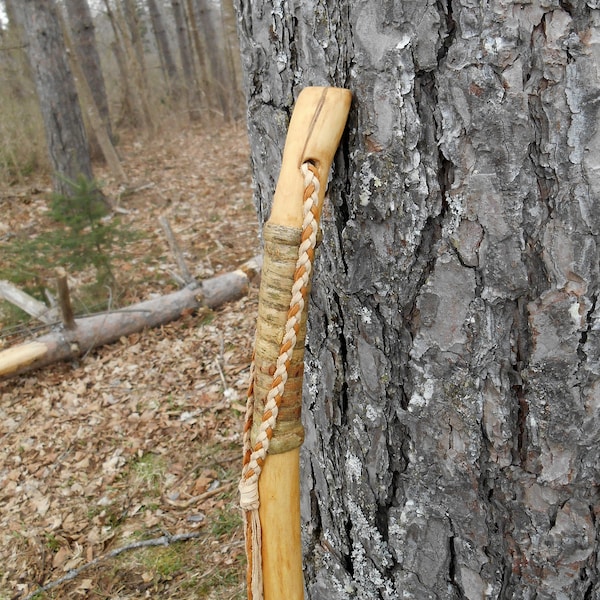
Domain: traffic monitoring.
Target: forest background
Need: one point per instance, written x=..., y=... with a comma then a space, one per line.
x=118, y=471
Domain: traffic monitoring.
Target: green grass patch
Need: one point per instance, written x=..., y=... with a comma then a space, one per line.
x=52, y=543
x=219, y=581
x=226, y=522
x=165, y=562
x=149, y=470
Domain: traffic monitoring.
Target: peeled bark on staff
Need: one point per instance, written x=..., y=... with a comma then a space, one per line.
x=314, y=133
x=90, y=332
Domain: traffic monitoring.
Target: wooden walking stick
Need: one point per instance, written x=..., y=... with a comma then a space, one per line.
x=273, y=433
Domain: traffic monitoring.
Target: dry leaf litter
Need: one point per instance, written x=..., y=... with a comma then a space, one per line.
x=140, y=438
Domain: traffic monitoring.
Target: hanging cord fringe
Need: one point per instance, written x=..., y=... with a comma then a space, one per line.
x=255, y=456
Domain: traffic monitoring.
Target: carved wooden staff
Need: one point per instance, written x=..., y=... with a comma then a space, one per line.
x=273, y=433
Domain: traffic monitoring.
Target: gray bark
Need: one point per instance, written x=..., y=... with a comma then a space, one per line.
x=83, y=33
x=232, y=55
x=135, y=91
x=164, y=49
x=130, y=108
x=200, y=43
x=186, y=57
x=452, y=407
x=14, y=61
x=215, y=59
x=130, y=13
x=59, y=104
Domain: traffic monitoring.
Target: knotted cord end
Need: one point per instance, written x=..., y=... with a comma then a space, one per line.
x=249, y=498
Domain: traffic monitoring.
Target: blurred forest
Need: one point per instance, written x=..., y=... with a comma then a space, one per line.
x=118, y=469
x=162, y=64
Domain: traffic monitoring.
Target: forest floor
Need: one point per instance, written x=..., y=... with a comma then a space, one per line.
x=139, y=441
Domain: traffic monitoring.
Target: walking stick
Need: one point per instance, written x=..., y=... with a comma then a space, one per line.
x=273, y=432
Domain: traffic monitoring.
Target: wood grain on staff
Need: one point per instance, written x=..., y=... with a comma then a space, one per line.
x=314, y=134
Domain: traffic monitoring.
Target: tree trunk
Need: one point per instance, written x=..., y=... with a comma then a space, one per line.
x=99, y=128
x=186, y=57
x=135, y=58
x=65, y=133
x=136, y=107
x=217, y=68
x=452, y=386
x=15, y=64
x=81, y=25
x=134, y=26
x=232, y=55
x=96, y=119
x=164, y=49
x=204, y=72
x=18, y=98
x=131, y=111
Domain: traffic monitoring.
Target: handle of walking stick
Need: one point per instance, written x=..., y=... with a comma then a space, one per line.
x=314, y=134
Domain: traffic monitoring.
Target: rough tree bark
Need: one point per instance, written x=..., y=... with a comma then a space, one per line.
x=134, y=26
x=217, y=67
x=453, y=405
x=164, y=49
x=135, y=91
x=63, y=122
x=232, y=55
x=82, y=29
x=131, y=110
x=186, y=57
x=15, y=62
x=201, y=56
x=127, y=24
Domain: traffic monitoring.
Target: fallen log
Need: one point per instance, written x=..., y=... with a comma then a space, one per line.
x=89, y=332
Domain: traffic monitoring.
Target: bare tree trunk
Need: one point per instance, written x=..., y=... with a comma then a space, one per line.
x=65, y=133
x=97, y=126
x=23, y=141
x=84, y=38
x=134, y=27
x=135, y=61
x=164, y=49
x=187, y=63
x=204, y=78
x=135, y=88
x=131, y=108
x=15, y=62
x=232, y=56
x=217, y=68
x=452, y=380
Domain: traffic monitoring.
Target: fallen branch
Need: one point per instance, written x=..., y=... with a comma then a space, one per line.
x=97, y=330
x=175, y=250
x=26, y=303
x=163, y=540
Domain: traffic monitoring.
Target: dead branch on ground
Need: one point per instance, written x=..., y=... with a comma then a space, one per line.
x=163, y=540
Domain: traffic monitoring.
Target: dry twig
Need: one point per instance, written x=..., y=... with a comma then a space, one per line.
x=163, y=540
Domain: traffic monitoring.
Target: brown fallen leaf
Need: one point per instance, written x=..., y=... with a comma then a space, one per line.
x=41, y=504
x=60, y=557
